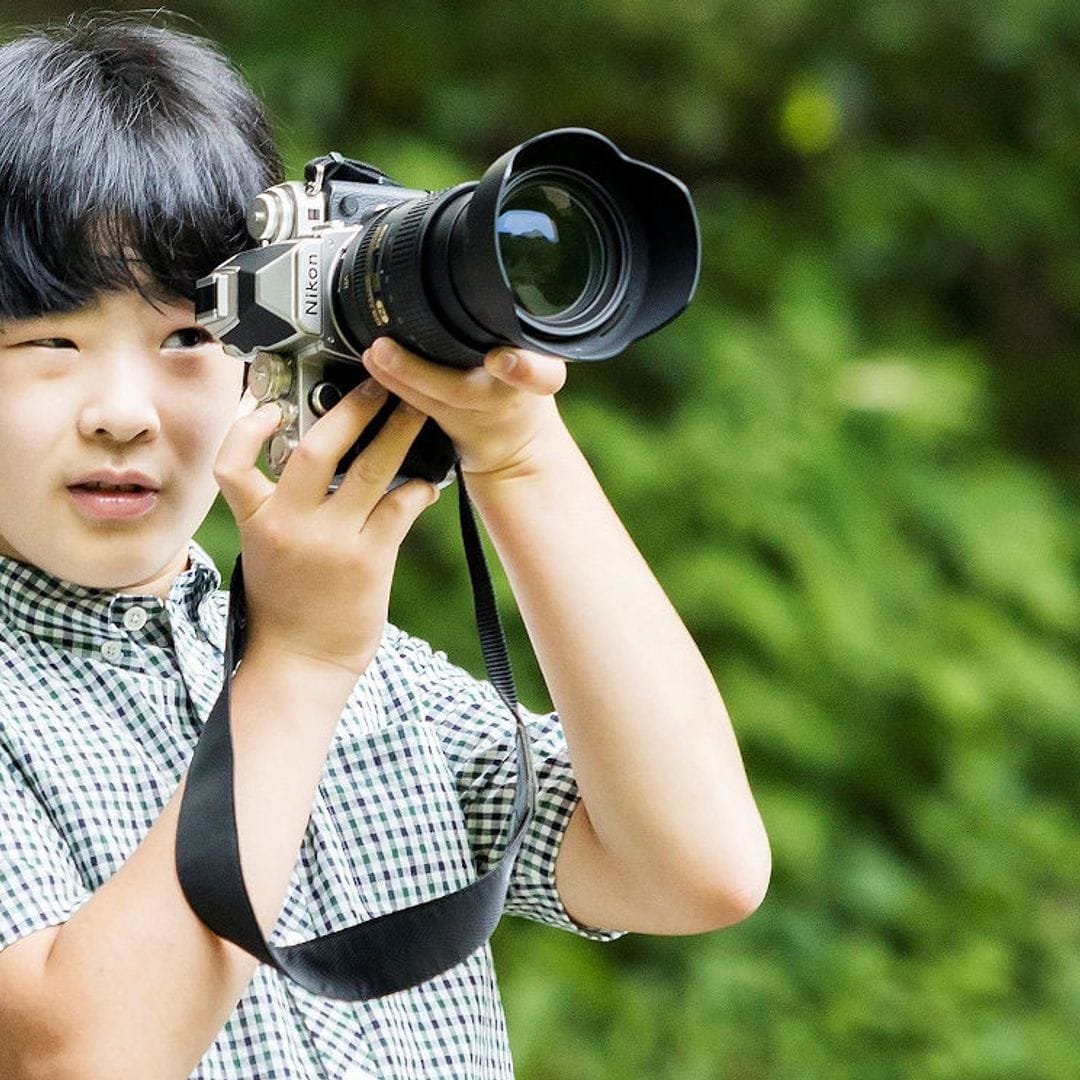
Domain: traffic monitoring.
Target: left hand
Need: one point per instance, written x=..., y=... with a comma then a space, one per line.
x=497, y=415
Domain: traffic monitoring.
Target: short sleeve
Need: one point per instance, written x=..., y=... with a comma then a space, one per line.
x=477, y=732
x=39, y=883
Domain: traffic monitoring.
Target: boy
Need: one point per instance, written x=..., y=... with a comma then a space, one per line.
x=128, y=154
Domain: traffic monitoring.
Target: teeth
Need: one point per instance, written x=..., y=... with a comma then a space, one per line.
x=97, y=485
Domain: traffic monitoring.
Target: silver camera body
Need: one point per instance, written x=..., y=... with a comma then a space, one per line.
x=273, y=305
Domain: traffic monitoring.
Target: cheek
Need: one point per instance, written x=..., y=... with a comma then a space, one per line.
x=208, y=409
x=214, y=420
x=29, y=460
x=28, y=431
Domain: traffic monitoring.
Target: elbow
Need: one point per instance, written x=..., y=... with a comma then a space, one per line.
x=66, y=1047
x=70, y=1063
x=740, y=901
x=726, y=889
x=735, y=895
x=673, y=882
x=48, y=1058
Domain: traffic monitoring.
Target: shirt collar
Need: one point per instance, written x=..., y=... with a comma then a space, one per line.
x=75, y=616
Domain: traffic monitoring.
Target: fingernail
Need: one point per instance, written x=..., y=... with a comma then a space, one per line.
x=371, y=388
x=271, y=408
x=379, y=352
x=506, y=361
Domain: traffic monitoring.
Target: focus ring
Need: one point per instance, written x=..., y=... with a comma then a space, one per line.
x=406, y=313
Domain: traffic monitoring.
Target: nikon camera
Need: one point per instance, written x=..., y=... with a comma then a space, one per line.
x=565, y=245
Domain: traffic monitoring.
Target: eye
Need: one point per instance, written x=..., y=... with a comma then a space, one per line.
x=52, y=343
x=189, y=337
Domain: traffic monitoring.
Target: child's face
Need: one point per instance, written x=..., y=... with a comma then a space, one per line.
x=110, y=419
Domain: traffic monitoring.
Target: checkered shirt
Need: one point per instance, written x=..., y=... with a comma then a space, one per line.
x=102, y=698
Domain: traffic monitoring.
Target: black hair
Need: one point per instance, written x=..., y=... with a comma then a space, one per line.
x=129, y=152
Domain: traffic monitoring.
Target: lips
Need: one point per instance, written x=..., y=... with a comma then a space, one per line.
x=106, y=480
x=107, y=495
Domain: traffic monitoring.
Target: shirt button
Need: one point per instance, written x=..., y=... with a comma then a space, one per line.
x=112, y=651
x=135, y=618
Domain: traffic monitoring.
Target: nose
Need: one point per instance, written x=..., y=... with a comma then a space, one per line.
x=118, y=403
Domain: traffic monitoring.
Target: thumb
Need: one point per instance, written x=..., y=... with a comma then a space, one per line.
x=534, y=372
x=236, y=470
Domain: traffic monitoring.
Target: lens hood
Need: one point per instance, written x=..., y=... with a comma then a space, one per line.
x=657, y=262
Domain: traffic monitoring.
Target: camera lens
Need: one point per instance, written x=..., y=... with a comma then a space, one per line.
x=559, y=249
x=550, y=248
x=565, y=244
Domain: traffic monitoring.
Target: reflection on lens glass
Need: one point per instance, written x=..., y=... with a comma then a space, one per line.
x=551, y=249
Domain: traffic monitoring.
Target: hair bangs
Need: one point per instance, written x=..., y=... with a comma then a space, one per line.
x=128, y=156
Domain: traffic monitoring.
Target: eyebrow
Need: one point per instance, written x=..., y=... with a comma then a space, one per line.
x=88, y=308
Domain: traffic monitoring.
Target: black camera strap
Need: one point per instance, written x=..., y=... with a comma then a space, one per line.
x=391, y=952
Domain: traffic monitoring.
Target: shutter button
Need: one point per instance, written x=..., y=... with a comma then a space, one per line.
x=135, y=618
x=112, y=651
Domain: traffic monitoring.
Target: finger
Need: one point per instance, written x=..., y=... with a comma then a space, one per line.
x=247, y=404
x=372, y=470
x=537, y=373
x=313, y=463
x=424, y=383
x=242, y=484
x=396, y=512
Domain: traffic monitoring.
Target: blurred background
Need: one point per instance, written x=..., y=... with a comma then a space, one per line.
x=854, y=464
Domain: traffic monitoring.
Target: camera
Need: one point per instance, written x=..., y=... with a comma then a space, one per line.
x=565, y=245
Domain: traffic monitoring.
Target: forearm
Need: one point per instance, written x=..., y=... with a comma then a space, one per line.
x=134, y=985
x=668, y=806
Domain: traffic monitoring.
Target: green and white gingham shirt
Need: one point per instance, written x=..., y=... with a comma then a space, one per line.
x=102, y=698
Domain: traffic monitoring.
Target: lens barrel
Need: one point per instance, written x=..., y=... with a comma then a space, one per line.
x=565, y=245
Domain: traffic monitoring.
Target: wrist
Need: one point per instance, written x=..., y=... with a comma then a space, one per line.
x=543, y=452
x=297, y=684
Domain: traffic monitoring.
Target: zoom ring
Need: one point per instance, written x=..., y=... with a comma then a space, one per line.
x=400, y=269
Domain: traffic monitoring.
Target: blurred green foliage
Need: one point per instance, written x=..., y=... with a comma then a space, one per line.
x=853, y=463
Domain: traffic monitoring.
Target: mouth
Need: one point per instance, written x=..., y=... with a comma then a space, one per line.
x=115, y=480
x=100, y=485
x=114, y=497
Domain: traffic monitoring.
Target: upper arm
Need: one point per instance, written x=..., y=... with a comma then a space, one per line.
x=22, y=967
x=25, y=1038
x=597, y=890
x=596, y=893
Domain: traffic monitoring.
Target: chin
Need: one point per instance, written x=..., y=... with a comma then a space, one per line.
x=122, y=568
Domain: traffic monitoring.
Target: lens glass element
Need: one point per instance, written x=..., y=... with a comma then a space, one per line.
x=552, y=248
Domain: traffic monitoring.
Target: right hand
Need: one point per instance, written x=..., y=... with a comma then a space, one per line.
x=318, y=567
